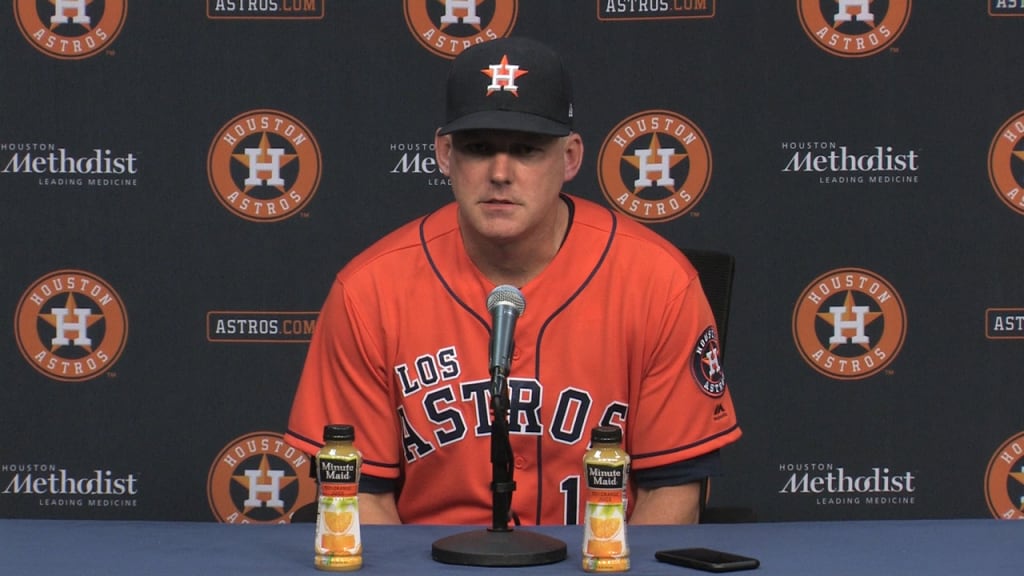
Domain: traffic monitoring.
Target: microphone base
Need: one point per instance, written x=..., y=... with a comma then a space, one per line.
x=498, y=548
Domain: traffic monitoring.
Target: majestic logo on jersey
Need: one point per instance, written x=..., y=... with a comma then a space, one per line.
x=259, y=479
x=1006, y=163
x=1004, y=480
x=447, y=27
x=70, y=29
x=503, y=77
x=71, y=325
x=654, y=166
x=706, y=364
x=849, y=323
x=853, y=28
x=264, y=166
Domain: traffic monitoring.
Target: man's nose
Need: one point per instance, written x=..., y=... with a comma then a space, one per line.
x=501, y=167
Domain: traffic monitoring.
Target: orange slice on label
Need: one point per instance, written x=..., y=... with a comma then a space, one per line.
x=604, y=528
x=338, y=522
x=338, y=542
x=604, y=548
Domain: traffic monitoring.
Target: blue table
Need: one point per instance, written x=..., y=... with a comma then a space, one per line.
x=925, y=547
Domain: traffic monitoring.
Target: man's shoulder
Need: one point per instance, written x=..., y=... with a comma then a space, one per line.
x=629, y=233
x=405, y=242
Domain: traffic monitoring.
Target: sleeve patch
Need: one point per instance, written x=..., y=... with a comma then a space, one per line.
x=705, y=364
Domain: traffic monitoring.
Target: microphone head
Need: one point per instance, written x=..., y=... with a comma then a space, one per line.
x=506, y=295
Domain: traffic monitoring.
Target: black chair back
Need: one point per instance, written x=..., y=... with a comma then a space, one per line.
x=716, y=270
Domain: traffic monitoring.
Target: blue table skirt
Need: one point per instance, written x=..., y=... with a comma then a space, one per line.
x=110, y=548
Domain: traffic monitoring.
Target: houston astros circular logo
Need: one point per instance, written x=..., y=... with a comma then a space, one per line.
x=447, y=28
x=849, y=323
x=71, y=325
x=264, y=165
x=1006, y=163
x=70, y=29
x=705, y=362
x=258, y=478
x=654, y=166
x=853, y=28
x=1004, y=480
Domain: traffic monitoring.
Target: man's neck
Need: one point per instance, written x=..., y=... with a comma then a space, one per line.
x=518, y=262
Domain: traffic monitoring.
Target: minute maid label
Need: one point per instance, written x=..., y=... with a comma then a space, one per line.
x=338, y=470
x=605, y=477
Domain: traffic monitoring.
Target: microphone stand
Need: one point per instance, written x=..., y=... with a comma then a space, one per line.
x=499, y=545
x=502, y=483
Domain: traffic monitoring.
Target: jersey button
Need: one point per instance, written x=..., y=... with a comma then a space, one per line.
x=520, y=462
x=515, y=352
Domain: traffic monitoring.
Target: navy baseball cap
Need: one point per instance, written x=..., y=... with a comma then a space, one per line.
x=509, y=84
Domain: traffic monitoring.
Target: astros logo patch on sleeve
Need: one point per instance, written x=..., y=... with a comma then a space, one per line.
x=706, y=364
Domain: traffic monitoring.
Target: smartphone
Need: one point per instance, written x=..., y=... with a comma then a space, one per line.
x=707, y=559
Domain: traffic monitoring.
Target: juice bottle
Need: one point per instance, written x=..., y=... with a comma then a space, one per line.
x=338, y=545
x=606, y=469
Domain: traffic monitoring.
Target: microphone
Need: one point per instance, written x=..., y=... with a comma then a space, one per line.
x=506, y=304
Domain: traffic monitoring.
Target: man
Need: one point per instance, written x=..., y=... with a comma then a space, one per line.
x=616, y=328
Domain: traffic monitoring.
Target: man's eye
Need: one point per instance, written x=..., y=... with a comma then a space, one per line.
x=477, y=148
x=523, y=149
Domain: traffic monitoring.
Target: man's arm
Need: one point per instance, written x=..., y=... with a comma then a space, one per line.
x=667, y=505
x=378, y=508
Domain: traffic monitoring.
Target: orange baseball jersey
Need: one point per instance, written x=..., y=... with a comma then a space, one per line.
x=616, y=331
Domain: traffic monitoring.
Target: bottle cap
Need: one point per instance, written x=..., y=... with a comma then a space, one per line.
x=341, y=432
x=606, y=434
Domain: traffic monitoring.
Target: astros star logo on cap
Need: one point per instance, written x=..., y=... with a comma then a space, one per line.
x=503, y=77
x=544, y=107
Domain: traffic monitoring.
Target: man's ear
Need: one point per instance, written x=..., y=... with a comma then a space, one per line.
x=442, y=151
x=573, y=155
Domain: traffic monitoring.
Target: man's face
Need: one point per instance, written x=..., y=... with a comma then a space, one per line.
x=507, y=183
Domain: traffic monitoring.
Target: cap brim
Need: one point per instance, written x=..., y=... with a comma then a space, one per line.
x=506, y=120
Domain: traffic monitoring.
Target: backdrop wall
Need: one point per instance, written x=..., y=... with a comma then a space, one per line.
x=181, y=181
